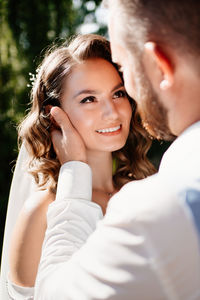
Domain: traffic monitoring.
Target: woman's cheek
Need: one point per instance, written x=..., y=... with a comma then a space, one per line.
x=128, y=111
x=83, y=125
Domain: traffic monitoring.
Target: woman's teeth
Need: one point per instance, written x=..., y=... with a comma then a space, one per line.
x=109, y=129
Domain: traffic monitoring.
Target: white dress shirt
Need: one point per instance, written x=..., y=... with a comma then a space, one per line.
x=146, y=247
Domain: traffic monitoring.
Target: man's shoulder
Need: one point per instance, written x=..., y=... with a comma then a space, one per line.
x=141, y=195
x=155, y=203
x=156, y=215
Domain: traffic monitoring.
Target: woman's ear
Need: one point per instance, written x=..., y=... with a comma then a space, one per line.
x=155, y=57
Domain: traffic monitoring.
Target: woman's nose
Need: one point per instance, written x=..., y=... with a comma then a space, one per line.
x=109, y=110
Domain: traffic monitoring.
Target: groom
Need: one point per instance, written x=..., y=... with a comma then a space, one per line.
x=148, y=244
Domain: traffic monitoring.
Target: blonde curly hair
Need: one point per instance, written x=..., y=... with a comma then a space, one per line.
x=34, y=130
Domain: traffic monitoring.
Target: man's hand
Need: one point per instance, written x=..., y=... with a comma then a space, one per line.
x=67, y=142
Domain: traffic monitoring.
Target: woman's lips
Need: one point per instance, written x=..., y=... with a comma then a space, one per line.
x=110, y=131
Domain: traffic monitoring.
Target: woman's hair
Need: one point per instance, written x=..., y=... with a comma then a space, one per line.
x=34, y=131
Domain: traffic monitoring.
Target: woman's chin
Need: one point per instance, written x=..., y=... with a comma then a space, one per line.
x=109, y=148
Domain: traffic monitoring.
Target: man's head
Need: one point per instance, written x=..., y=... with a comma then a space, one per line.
x=157, y=45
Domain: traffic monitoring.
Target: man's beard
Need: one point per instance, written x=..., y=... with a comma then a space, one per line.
x=153, y=114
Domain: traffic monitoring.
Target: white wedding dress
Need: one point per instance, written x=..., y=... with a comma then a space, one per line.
x=85, y=215
x=22, y=186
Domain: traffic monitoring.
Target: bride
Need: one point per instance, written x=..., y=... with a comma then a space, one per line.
x=83, y=81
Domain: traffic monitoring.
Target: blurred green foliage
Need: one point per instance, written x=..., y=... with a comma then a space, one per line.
x=27, y=27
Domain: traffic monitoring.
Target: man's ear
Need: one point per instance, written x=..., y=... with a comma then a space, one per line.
x=155, y=53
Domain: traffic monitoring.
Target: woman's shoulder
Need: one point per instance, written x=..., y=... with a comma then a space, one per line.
x=27, y=238
x=37, y=204
x=32, y=217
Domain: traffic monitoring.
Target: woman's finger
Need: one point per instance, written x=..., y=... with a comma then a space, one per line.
x=67, y=142
x=61, y=118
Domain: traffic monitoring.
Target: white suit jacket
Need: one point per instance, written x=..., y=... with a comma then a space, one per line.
x=146, y=247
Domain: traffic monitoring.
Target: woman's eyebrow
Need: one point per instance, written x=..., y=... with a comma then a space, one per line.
x=119, y=85
x=94, y=92
x=86, y=91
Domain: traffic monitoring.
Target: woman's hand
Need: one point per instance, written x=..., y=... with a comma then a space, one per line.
x=67, y=142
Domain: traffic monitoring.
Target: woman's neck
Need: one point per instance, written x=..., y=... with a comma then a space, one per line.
x=101, y=165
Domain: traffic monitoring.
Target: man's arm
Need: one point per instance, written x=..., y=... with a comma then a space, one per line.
x=138, y=251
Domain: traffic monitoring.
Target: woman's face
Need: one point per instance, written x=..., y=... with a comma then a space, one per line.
x=95, y=101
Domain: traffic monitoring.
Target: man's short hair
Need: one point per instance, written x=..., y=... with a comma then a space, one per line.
x=173, y=22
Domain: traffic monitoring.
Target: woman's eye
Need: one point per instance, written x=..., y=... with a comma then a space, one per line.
x=87, y=100
x=120, y=94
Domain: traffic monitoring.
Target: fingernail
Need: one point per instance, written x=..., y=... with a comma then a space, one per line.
x=53, y=110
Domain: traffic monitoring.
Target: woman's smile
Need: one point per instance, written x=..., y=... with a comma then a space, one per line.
x=110, y=131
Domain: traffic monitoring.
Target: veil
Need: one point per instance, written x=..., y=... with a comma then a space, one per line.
x=22, y=187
